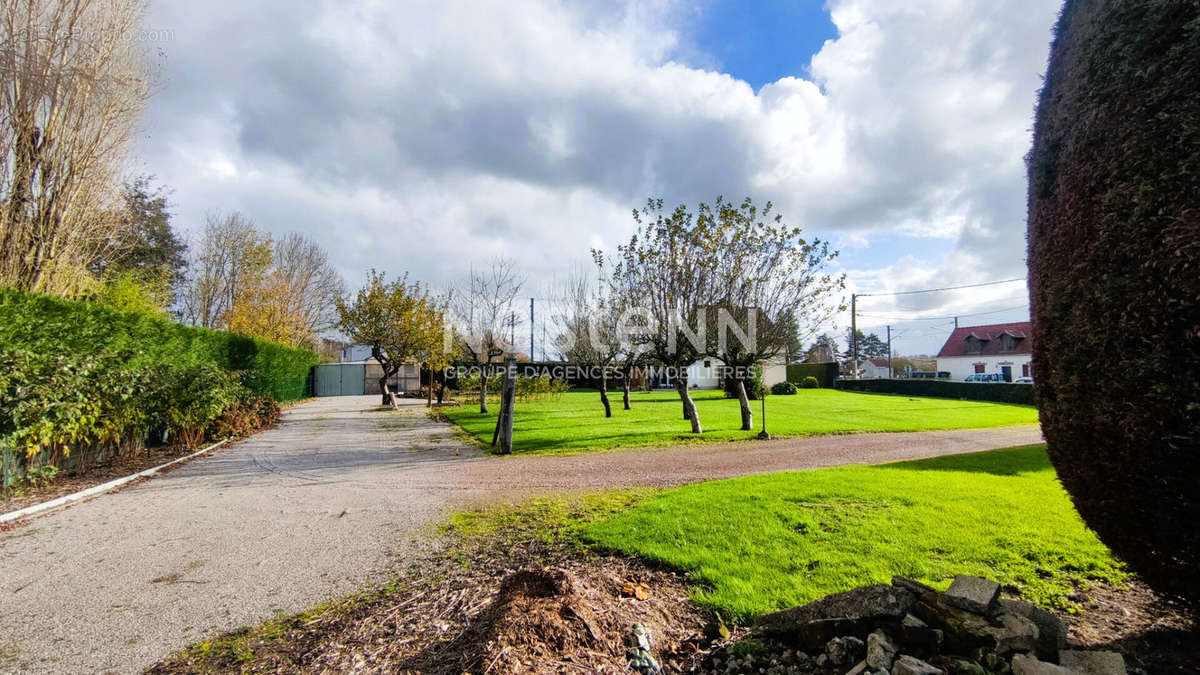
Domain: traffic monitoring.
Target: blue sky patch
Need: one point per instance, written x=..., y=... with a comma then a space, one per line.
x=763, y=41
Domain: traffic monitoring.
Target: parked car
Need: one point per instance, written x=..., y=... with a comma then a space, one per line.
x=984, y=377
x=1024, y=380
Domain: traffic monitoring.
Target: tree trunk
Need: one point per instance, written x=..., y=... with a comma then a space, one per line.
x=681, y=385
x=747, y=414
x=383, y=389
x=689, y=406
x=441, y=393
x=429, y=394
x=625, y=388
x=604, y=393
x=483, y=378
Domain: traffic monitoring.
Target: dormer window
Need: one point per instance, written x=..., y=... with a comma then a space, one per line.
x=1007, y=343
x=974, y=345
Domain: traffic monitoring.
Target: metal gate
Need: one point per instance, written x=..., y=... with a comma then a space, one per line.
x=340, y=379
x=407, y=379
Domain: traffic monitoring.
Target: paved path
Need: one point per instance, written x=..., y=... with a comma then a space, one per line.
x=314, y=508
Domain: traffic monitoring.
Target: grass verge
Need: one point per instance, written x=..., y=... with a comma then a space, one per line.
x=763, y=543
x=574, y=422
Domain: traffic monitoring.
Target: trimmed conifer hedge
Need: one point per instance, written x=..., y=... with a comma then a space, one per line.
x=48, y=325
x=826, y=373
x=995, y=392
x=1114, y=274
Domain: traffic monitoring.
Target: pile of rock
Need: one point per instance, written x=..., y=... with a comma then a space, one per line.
x=908, y=628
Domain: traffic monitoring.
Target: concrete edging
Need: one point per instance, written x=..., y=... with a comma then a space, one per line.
x=95, y=490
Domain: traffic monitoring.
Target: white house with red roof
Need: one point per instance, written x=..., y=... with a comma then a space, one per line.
x=875, y=368
x=1002, y=348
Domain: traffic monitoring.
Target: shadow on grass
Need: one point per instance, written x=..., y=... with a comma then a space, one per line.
x=1009, y=462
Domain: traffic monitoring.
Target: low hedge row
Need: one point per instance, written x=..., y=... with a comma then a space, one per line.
x=45, y=324
x=996, y=392
x=80, y=383
x=68, y=411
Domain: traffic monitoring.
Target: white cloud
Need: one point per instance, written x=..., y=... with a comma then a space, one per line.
x=421, y=136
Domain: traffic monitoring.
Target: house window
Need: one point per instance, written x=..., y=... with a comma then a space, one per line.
x=974, y=345
x=708, y=364
x=1024, y=370
x=979, y=367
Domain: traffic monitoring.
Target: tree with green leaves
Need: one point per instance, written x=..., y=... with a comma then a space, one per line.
x=395, y=318
x=823, y=350
x=793, y=350
x=437, y=345
x=870, y=346
x=145, y=261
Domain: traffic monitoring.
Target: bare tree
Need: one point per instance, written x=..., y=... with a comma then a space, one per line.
x=231, y=255
x=72, y=83
x=485, y=316
x=669, y=263
x=766, y=276
x=589, y=318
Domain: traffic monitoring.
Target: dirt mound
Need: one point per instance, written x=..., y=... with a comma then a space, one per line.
x=554, y=619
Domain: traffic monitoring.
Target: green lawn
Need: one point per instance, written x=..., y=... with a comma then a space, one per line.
x=575, y=421
x=763, y=543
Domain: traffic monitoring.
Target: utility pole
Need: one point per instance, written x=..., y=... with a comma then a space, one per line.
x=531, y=324
x=889, y=352
x=854, y=333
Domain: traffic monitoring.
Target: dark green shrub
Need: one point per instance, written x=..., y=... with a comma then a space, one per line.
x=1114, y=276
x=996, y=392
x=784, y=388
x=826, y=373
x=810, y=382
x=70, y=410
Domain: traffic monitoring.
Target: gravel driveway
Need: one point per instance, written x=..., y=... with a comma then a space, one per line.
x=321, y=505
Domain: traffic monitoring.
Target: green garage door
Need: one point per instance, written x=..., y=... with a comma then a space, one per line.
x=340, y=379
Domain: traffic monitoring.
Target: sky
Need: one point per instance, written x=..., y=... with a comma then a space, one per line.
x=426, y=137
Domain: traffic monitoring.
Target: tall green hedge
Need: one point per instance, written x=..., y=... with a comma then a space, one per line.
x=1114, y=276
x=826, y=373
x=48, y=325
x=996, y=392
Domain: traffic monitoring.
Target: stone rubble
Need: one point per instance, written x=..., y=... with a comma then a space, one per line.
x=908, y=628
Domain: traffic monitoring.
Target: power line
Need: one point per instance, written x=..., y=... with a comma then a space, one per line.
x=947, y=288
x=1022, y=298
x=900, y=317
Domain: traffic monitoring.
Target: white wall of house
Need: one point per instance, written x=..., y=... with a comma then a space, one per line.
x=872, y=371
x=706, y=373
x=774, y=372
x=962, y=366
